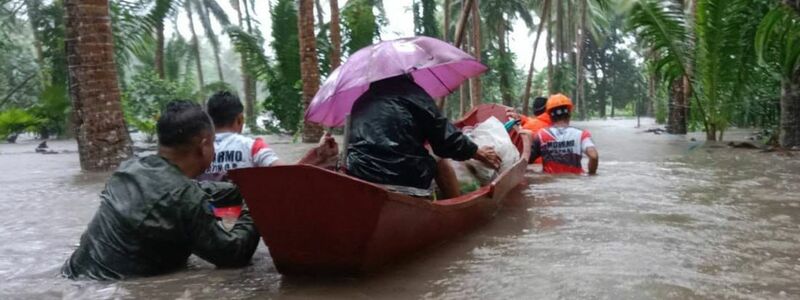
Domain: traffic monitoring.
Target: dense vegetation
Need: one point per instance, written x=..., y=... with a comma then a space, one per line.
x=695, y=64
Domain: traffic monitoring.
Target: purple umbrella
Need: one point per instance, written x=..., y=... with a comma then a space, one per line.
x=436, y=66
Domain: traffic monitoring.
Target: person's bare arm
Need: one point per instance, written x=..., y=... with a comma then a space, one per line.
x=594, y=159
x=322, y=155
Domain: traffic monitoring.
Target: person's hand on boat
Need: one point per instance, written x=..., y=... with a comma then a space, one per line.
x=512, y=114
x=327, y=147
x=488, y=156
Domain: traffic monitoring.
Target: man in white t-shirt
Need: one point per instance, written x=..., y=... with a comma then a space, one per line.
x=234, y=150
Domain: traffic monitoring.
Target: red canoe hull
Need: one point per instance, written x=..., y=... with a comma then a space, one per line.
x=319, y=222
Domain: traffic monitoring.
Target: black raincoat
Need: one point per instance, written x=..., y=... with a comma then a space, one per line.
x=391, y=123
x=151, y=218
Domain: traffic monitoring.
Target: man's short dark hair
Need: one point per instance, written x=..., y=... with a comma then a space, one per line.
x=539, y=105
x=559, y=113
x=180, y=121
x=224, y=107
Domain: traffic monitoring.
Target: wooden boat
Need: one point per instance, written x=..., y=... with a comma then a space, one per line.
x=320, y=222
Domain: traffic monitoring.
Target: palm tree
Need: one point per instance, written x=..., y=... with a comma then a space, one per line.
x=498, y=16
x=103, y=140
x=777, y=43
x=309, y=68
x=336, y=36
x=195, y=45
x=206, y=9
x=543, y=17
x=248, y=82
x=475, y=83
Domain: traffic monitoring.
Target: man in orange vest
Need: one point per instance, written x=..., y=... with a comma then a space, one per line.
x=561, y=146
x=539, y=121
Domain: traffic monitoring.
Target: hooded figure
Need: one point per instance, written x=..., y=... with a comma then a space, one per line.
x=391, y=124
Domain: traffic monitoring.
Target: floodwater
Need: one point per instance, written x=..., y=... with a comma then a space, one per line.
x=666, y=218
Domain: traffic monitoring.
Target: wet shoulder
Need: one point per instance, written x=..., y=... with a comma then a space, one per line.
x=152, y=176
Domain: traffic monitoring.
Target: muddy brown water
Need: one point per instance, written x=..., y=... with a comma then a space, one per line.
x=667, y=218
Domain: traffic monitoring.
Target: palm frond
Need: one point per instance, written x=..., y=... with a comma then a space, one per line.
x=249, y=47
x=777, y=41
x=662, y=25
x=219, y=14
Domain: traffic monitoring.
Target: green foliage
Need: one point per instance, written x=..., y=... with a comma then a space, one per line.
x=724, y=57
x=425, y=23
x=360, y=25
x=777, y=41
x=283, y=101
x=53, y=109
x=16, y=121
x=146, y=126
x=661, y=25
x=147, y=95
x=251, y=50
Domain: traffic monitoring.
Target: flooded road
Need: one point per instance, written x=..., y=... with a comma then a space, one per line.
x=666, y=218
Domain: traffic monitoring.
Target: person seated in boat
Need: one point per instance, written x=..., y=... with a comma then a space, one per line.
x=561, y=146
x=152, y=215
x=391, y=124
x=234, y=150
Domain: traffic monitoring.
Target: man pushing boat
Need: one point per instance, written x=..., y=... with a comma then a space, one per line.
x=152, y=215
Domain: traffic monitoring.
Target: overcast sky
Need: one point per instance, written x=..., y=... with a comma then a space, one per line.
x=400, y=24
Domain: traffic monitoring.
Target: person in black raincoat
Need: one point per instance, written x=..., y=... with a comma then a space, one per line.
x=153, y=216
x=390, y=126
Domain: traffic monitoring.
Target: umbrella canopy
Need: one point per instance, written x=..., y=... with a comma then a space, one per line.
x=435, y=65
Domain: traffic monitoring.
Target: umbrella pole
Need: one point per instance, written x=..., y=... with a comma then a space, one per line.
x=345, y=142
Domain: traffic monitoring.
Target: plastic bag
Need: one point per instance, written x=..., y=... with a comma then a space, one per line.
x=467, y=182
x=493, y=133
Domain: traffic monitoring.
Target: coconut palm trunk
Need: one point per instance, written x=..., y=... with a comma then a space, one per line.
x=195, y=46
x=475, y=83
x=103, y=140
x=309, y=68
x=159, y=59
x=790, y=101
x=505, y=83
x=215, y=48
x=529, y=82
x=579, y=72
x=249, y=83
x=676, y=123
x=549, y=47
x=336, y=36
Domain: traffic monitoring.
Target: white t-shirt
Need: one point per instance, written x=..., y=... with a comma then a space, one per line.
x=235, y=151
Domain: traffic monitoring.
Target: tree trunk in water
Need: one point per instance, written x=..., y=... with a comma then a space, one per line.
x=475, y=83
x=160, y=49
x=103, y=140
x=336, y=36
x=676, y=122
x=560, y=34
x=505, y=83
x=651, y=86
x=579, y=60
x=790, y=111
x=33, y=13
x=529, y=82
x=790, y=101
x=249, y=83
x=549, y=56
x=195, y=47
x=308, y=65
